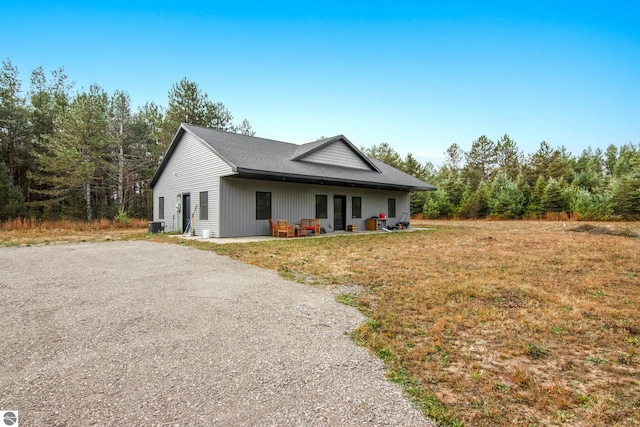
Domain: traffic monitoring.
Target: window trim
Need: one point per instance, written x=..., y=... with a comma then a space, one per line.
x=354, y=213
x=319, y=206
x=391, y=214
x=268, y=197
x=161, y=207
x=204, y=207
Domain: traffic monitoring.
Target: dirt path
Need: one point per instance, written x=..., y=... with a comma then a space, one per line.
x=139, y=333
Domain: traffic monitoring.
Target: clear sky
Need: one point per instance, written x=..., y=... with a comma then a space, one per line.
x=417, y=75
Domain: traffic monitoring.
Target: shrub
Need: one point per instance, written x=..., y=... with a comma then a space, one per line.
x=122, y=218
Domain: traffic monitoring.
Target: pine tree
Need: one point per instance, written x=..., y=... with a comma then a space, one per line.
x=552, y=200
x=79, y=154
x=189, y=104
x=15, y=128
x=481, y=160
x=626, y=197
x=12, y=205
x=50, y=99
x=505, y=200
x=536, y=206
x=508, y=157
x=120, y=121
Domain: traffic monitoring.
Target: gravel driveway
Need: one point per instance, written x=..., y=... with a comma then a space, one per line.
x=139, y=333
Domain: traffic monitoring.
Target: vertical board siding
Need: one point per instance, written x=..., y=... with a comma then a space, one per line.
x=193, y=168
x=293, y=202
x=338, y=154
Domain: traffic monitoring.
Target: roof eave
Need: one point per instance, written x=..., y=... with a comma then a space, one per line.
x=323, y=180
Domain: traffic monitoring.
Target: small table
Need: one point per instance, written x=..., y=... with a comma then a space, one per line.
x=374, y=224
x=300, y=231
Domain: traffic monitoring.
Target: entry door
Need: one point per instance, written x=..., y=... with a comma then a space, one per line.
x=339, y=212
x=186, y=211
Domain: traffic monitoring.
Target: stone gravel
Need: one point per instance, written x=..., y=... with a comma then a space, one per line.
x=150, y=334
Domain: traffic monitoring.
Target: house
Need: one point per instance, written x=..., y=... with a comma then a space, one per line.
x=231, y=184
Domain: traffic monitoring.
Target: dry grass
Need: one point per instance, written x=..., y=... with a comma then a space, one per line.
x=21, y=232
x=485, y=323
x=490, y=323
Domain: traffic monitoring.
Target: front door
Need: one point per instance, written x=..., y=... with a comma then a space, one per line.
x=339, y=212
x=186, y=211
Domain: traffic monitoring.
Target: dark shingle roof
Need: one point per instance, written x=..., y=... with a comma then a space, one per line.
x=254, y=157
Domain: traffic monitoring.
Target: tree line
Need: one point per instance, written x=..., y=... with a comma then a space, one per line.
x=494, y=179
x=68, y=153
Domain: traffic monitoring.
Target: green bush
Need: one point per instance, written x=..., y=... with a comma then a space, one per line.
x=122, y=218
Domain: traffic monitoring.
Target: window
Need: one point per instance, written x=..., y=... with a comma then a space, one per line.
x=356, y=207
x=263, y=205
x=204, y=205
x=321, y=206
x=392, y=208
x=160, y=207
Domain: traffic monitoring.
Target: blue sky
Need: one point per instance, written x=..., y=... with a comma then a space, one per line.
x=417, y=75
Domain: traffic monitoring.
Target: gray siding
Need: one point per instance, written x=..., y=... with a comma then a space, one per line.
x=338, y=154
x=293, y=202
x=193, y=168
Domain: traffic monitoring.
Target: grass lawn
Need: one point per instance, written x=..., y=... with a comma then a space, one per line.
x=490, y=323
x=484, y=323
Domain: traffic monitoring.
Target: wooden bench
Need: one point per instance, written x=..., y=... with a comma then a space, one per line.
x=310, y=224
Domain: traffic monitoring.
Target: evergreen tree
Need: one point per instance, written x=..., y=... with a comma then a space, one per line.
x=508, y=157
x=626, y=197
x=628, y=161
x=548, y=162
x=455, y=189
x=592, y=206
x=437, y=205
x=15, y=132
x=610, y=159
x=141, y=162
x=79, y=154
x=454, y=156
x=50, y=99
x=506, y=201
x=536, y=205
x=552, y=199
x=481, y=161
x=475, y=204
x=12, y=205
x=417, y=199
x=120, y=122
x=588, y=170
x=189, y=104
x=386, y=154
x=413, y=167
x=153, y=118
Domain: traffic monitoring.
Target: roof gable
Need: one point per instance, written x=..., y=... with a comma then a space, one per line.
x=337, y=151
x=334, y=161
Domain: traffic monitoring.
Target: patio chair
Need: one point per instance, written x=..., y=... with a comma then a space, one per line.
x=285, y=230
x=273, y=228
